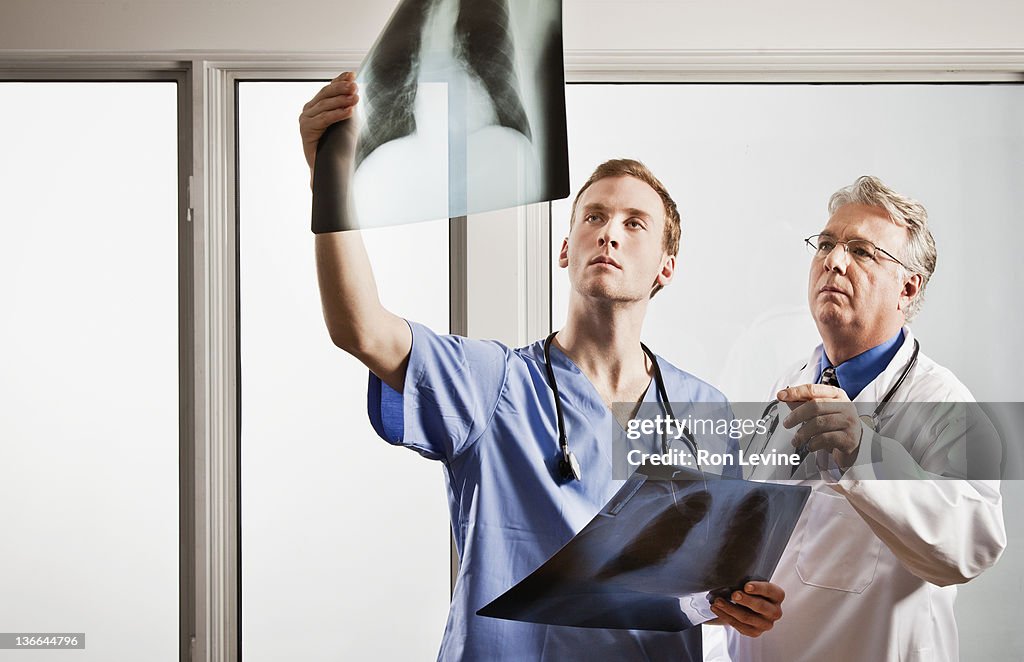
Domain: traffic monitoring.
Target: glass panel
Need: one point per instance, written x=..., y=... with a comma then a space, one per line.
x=752, y=167
x=89, y=349
x=345, y=539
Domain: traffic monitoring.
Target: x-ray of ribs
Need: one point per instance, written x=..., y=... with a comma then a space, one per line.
x=741, y=540
x=657, y=541
x=483, y=41
x=391, y=79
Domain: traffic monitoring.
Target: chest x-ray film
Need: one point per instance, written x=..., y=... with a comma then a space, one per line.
x=462, y=110
x=667, y=544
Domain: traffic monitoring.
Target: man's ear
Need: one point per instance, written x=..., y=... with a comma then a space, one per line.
x=668, y=270
x=563, y=255
x=911, y=289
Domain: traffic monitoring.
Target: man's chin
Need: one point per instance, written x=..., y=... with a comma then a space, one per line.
x=830, y=315
x=601, y=292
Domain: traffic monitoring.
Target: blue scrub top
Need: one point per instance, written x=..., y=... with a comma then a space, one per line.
x=487, y=413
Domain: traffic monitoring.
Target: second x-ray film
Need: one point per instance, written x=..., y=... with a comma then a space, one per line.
x=659, y=553
x=462, y=110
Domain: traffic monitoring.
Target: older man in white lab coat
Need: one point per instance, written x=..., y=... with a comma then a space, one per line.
x=871, y=570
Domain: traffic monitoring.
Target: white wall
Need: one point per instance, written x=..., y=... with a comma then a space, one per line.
x=331, y=25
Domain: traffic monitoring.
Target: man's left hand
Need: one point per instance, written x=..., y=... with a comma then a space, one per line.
x=753, y=611
x=827, y=420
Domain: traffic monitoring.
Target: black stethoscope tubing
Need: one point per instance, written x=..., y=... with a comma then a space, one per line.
x=875, y=415
x=568, y=466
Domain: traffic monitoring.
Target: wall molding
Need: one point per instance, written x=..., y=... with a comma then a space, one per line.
x=533, y=282
x=216, y=366
x=581, y=65
x=790, y=65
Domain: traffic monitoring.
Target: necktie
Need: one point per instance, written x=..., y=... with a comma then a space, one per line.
x=828, y=377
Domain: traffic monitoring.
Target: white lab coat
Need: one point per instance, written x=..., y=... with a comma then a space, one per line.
x=871, y=568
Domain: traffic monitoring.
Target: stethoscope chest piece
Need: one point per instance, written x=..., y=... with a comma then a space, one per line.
x=569, y=466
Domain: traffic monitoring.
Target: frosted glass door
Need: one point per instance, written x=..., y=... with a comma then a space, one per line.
x=345, y=539
x=89, y=367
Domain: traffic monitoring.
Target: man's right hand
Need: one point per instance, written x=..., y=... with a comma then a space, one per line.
x=355, y=318
x=335, y=102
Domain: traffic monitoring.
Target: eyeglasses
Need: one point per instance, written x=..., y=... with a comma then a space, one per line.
x=861, y=250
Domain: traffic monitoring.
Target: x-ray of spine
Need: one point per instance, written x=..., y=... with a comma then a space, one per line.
x=462, y=111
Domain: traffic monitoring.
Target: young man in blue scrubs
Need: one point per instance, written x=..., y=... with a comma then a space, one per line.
x=488, y=414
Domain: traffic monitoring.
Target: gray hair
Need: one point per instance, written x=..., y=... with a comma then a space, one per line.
x=921, y=255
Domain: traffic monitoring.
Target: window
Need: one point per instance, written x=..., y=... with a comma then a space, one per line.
x=345, y=539
x=89, y=347
x=752, y=166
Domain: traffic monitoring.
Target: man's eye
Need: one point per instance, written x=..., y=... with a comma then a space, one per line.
x=861, y=252
x=634, y=223
x=826, y=246
x=590, y=218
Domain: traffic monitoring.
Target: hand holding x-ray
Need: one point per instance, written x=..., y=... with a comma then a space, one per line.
x=333, y=103
x=752, y=611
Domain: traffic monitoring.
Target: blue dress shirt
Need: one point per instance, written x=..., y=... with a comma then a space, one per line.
x=856, y=373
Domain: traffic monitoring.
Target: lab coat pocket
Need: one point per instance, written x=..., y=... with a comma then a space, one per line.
x=837, y=549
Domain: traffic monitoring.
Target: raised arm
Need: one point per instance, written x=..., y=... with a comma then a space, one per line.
x=355, y=318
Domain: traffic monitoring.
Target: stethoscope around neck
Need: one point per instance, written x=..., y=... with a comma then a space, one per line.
x=770, y=416
x=568, y=465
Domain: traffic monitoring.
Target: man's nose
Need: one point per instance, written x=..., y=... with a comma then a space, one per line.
x=608, y=235
x=837, y=259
